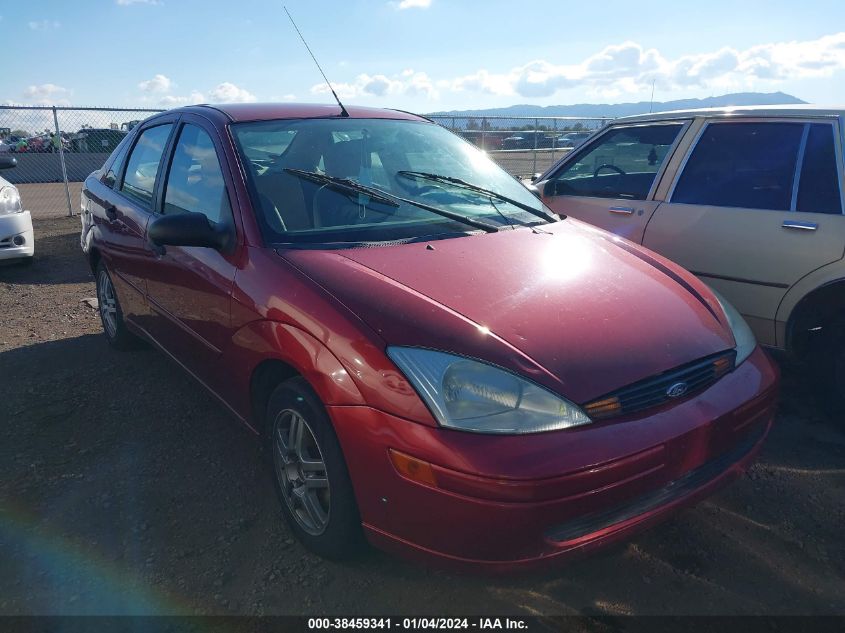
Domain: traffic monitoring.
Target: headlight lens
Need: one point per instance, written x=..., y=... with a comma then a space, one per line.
x=743, y=337
x=10, y=200
x=474, y=396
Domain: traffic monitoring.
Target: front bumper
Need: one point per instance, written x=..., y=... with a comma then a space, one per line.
x=501, y=503
x=17, y=239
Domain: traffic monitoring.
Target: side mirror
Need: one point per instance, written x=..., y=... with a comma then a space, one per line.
x=7, y=161
x=549, y=188
x=189, y=229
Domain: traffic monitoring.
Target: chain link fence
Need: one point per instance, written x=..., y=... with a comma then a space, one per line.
x=523, y=146
x=57, y=147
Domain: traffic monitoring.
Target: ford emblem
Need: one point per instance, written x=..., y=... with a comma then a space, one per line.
x=677, y=390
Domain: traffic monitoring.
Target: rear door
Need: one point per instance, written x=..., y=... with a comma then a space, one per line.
x=757, y=205
x=610, y=182
x=190, y=289
x=127, y=209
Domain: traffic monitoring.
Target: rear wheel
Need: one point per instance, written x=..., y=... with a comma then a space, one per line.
x=310, y=473
x=111, y=315
x=828, y=368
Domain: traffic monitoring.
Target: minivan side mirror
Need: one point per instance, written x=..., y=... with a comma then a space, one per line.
x=189, y=229
x=7, y=161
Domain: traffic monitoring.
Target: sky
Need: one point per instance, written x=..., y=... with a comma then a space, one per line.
x=418, y=55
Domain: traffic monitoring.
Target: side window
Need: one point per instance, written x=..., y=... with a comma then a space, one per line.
x=818, y=189
x=195, y=181
x=622, y=163
x=746, y=165
x=116, y=164
x=142, y=168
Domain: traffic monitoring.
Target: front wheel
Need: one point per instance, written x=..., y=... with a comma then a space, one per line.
x=310, y=473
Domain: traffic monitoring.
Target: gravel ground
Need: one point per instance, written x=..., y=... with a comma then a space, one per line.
x=124, y=488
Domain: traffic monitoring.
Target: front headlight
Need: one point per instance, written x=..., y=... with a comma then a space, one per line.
x=10, y=200
x=743, y=336
x=471, y=395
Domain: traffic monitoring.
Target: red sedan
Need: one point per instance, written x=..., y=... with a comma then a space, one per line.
x=437, y=363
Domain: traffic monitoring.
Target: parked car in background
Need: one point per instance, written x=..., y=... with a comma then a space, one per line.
x=434, y=360
x=96, y=140
x=17, y=239
x=572, y=139
x=748, y=199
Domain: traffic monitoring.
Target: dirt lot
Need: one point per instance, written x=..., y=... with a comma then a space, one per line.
x=124, y=488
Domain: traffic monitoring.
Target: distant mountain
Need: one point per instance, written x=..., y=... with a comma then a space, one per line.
x=613, y=110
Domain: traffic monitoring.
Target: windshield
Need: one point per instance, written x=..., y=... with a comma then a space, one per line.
x=367, y=180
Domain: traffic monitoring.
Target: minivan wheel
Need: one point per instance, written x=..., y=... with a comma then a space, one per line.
x=310, y=474
x=111, y=315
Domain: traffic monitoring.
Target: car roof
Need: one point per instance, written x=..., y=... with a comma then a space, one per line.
x=237, y=112
x=740, y=111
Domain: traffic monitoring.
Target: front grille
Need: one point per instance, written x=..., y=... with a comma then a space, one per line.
x=654, y=391
x=650, y=501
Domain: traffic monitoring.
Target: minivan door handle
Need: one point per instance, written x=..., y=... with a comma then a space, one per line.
x=801, y=226
x=111, y=210
x=622, y=210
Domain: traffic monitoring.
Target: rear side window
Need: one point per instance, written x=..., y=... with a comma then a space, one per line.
x=195, y=183
x=622, y=163
x=818, y=189
x=746, y=165
x=142, y=166
x=116, y=163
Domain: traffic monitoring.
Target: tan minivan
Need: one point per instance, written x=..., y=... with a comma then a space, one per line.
x=749, y=199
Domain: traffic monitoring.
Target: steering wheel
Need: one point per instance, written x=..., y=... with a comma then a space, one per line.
x=619, y=171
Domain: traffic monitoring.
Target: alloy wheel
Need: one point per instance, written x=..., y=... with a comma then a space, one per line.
x=107, y=303
x=301, y=471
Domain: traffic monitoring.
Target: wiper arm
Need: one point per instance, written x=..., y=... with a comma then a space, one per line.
x=423, y=175
x=344, y=184
x=348, y=184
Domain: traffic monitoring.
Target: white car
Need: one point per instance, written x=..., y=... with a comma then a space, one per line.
x=17, y=240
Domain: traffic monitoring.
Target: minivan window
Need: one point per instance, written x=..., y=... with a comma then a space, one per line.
x=622, y=163
x=195, y=182
x=143, y=164
x=818, y=189
x=746, y=165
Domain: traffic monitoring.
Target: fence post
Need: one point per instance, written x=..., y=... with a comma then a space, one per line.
x=62, y=161
x=536, y=131
x=554, y=140
x=483, y=133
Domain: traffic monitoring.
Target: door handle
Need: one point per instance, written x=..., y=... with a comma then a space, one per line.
x=111, y=211
x=622, y=210
x=801, y=226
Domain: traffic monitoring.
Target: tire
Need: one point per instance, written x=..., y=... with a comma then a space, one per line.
x=310, y=476
x=827, y=370
x=111, y=315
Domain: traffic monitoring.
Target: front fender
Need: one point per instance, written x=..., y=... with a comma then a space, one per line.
x=261, y=341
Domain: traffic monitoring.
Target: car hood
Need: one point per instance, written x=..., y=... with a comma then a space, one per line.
x=572, y=307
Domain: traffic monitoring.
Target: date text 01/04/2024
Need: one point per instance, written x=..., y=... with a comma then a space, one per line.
x=431, y=623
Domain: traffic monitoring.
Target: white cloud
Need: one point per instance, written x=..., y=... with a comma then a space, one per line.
x=173, y=101
x=623, y=68
x=44, y=25
x=230, y=93
x=159, y=83
x=408, y=82
x=46, y=94
x=414, y=4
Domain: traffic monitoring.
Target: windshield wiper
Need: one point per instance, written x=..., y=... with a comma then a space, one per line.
x=388, y=198
x=344, y=184
x=423, y=175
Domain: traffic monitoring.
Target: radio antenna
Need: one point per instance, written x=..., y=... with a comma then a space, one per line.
x=343, y=111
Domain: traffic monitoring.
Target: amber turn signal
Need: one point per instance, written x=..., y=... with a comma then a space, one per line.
x=413, y=468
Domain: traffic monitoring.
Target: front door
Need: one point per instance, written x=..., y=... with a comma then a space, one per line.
x=190, y=288
x=756, y=207
x=609, y=183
